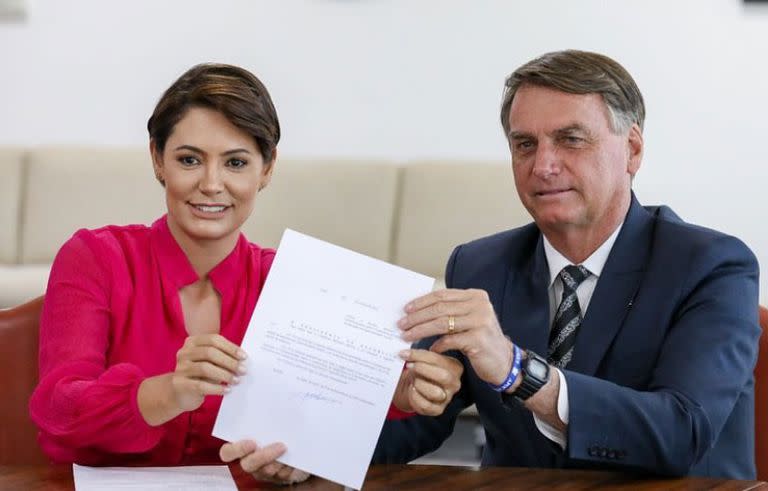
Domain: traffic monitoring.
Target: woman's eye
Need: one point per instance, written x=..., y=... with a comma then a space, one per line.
x=188, y=161
x=237, y=163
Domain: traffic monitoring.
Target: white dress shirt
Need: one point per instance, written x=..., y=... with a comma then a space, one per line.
x=557, y=262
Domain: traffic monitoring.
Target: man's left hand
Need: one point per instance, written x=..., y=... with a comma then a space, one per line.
x=465, y=321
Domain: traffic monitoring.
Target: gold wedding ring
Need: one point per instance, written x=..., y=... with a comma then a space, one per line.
x=451, y=324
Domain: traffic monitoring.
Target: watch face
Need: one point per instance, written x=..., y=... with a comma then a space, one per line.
x=536, y=369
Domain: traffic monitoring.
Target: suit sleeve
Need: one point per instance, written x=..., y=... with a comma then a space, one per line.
x=704, y=366
x=403, y=440
x=80, y=402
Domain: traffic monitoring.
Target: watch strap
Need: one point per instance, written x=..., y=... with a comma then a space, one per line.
x=529, y=385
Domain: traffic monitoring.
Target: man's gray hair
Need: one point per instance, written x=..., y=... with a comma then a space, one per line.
x=581, y=72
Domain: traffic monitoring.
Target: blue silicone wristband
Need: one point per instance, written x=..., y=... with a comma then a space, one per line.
x=514, y=371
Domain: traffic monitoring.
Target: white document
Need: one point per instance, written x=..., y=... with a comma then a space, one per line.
x=189, y=478
x=322, y=357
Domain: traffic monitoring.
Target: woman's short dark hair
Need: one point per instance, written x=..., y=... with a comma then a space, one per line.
x=581, y=72
x=233, y=91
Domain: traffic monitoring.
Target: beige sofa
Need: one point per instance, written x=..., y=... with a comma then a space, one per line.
x=411, y=214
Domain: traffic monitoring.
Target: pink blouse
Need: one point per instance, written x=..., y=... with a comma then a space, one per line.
x=112, y=317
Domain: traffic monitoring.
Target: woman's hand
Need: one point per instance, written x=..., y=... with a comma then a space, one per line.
x=428, y=383
x=261, y=462
x=207, y=364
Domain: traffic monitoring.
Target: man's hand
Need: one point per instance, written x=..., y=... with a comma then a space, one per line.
x=261, y=462
x=428, y=383
x=465, y=321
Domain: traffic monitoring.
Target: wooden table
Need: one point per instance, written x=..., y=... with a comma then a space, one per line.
x=419, y=477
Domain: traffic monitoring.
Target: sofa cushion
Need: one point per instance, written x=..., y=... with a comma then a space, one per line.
x=444, y=204
x=20, y=283
x=348, y=203
x=10, y=200
x=69, y=188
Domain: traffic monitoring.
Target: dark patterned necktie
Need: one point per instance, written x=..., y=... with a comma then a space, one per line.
x=565, y=327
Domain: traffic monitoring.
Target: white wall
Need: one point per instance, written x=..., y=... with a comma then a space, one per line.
x=407, y=79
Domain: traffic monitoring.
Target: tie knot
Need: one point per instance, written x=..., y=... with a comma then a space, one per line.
x=572, y=276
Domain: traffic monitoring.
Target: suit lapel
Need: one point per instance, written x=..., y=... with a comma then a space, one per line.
x=525, y=305
x=615, y=291
x=524, y=317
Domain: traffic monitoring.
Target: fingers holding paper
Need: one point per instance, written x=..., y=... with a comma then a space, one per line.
x=428, y=383
x=205, y=365
x=261, y=462
x=463, y=320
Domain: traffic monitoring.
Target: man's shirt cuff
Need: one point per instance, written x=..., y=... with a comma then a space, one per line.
x=548, y=431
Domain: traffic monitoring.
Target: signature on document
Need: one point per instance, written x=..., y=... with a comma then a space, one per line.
x=315, y=396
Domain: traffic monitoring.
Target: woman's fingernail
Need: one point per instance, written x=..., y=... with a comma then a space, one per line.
x=404, y=354
x=241, y=368
x=235, y=381
x=242, y=354
x=409, y=365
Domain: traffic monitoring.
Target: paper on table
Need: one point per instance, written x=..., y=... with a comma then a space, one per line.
x=322, y=357
x=190, y=478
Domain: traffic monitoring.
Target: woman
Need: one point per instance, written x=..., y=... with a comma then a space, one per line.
x=140, y=329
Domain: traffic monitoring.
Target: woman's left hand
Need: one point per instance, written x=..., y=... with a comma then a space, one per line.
x=428, y=383
x=261, y=462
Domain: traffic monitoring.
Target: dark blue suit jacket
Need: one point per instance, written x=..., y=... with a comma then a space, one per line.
x=661, y=376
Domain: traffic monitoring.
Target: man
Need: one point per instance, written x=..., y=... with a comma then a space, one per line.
x=605, y=334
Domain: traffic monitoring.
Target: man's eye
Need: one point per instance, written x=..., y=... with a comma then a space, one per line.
x=237, y=163
x=524, y=145
x=573, y=140
x=188, y=161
